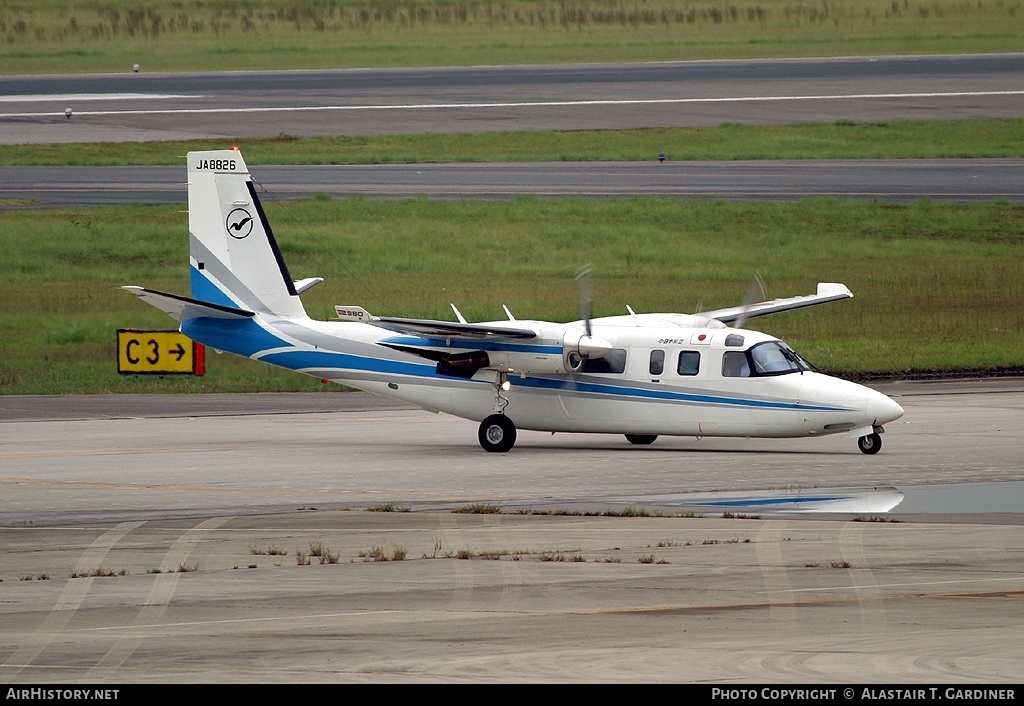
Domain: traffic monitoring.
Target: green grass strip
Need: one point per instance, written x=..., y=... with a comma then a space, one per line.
x=937, y=286
x=841, y=140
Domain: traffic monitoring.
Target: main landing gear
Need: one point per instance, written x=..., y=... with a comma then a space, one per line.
x=870, y=444
x=497, y=433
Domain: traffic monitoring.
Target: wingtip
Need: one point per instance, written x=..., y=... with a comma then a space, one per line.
x=832, y=289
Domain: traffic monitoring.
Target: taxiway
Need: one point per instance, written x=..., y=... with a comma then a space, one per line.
x=193, y=536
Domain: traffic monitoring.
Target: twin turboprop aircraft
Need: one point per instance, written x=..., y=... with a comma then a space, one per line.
x=641, y=375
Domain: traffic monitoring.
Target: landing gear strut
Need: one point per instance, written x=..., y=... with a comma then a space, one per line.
x=497, y=433
x=870, y=444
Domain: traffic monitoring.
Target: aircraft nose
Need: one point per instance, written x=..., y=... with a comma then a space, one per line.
x=883, y=408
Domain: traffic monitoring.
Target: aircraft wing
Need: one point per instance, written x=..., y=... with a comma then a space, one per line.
x=451, y=329
x=827, y=292
x=184, y=309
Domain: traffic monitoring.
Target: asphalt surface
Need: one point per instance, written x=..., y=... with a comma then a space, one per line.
x=139, y=544
x=140, y=107
x=954, y=180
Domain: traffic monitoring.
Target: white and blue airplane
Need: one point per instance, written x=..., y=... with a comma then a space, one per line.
x=641, y=375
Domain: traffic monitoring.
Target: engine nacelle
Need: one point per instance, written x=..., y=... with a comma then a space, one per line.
x=577, y=346
x=465, y=365
x=523, y=362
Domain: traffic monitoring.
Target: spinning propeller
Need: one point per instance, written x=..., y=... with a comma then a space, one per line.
x=587, y=346
x=585, y=290
x=757, y=293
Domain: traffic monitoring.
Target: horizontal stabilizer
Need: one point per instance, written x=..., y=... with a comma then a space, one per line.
x=826, y=292
x=184, y=308
x=451, y=329
x=303, y=285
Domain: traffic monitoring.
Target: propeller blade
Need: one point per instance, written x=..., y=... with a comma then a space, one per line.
x=586, y=298
x=586, y=295
x=756, y=293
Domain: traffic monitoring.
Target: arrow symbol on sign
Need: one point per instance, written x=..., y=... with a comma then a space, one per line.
x=179, y=351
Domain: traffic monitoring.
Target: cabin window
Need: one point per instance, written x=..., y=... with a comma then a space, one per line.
x=614, y=362
x=734, y=340
x=734, y=365
x=657, y=366
x=689, y=363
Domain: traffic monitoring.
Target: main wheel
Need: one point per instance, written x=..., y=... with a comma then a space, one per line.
x=497, y=433
x=642, y=439
x=870, y=444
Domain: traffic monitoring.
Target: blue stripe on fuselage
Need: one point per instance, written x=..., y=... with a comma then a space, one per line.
x=688, y=397
x=240, y=336
x=470, y=344
x=324, y=360
x=246, y=337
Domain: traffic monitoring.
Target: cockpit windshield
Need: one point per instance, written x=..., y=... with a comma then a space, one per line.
x=776, y=358
x=764, y=359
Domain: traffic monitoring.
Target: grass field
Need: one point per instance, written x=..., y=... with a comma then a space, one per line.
x=77, y=36
x=937, y=286
x=924, y=139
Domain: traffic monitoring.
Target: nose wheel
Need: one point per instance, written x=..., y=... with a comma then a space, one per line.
x=870, y=444
x=497, y=434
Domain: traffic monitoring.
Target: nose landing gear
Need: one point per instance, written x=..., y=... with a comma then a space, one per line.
x=870, y=444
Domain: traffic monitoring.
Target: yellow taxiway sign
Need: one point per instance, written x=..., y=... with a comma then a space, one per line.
x=158, y=352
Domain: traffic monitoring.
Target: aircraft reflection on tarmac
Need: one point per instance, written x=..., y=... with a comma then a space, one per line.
x=805, y=500
x=955, y=498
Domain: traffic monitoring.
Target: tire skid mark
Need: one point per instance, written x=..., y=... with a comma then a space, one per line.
x=159, y=597
x=72, y=597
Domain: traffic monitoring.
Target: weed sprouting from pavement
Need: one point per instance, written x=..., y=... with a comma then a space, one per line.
x=478, y=509
x=97, y=572
x=271, y=550
x=389, y=507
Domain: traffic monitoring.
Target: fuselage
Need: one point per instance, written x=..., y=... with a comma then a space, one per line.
x=640, y=375
x=664, y=376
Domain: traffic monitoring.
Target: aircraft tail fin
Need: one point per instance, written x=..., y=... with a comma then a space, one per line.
x=235, y=259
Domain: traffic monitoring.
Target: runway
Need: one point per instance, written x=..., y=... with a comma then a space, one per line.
x=142, y=107
x=895, y=180
x=228, y=507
